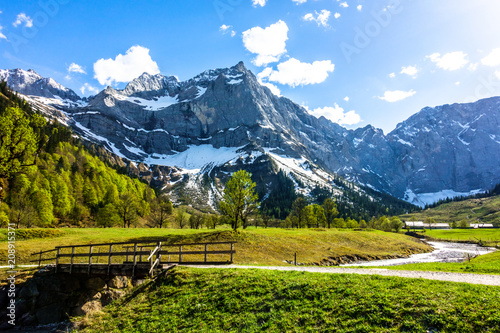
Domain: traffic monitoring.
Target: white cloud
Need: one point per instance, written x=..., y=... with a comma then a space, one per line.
x=295, y=73
x=497, y=74
x=261, y=3
x=473, y=66
x=346, y=98
x=269, y=44
x=337, y=115
x=397, y=95
x=457, y=83
x=89, y=88
x=360, y=7
x=492, y=59
x=392, y=75
x=125, y=68
x=2, y=36
x=23, y=18
x=409, y=70
x=227, y=29
x=344, y=4
x=336, y=15
x=450, y=61
x=299, y=2
x=75, y=68
x=321, y=18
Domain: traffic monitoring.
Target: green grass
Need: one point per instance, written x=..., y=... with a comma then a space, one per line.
x=485, y=264
x=231, y=300
x=490, y=237
x=254, y=246
x=486, y=210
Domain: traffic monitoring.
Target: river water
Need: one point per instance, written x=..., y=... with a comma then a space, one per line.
x=443, y=252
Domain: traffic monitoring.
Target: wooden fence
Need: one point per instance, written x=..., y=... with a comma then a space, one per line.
x=134, y=258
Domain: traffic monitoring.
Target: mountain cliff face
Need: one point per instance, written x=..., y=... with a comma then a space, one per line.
x=223, y=119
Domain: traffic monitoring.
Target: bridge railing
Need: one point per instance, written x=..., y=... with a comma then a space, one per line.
x=136, y=255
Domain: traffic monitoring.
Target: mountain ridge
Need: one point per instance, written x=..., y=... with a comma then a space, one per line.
x=156, y=118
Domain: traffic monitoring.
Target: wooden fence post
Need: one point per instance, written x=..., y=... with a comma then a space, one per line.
x=206, y=252
x=180, y=253
x=90, y=258
x=135, y=259
x=72, y=260
x=109, y=259
x=57, y=258
x=232, y=244
x=40, y=259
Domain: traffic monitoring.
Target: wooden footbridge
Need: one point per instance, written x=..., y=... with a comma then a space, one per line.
x=135, y=259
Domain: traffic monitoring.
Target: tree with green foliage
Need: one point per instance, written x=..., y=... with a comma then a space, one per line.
x=396, y=224
x=299, y=212
x=331, y=212
x=20, y=141
x=429, y=222
x=161, y=210
x=127, y=209
x=107, y=216
x=463, y=224
x=239, y=200
x=181, y=219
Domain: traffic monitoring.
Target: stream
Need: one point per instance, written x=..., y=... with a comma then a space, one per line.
x=443, y=252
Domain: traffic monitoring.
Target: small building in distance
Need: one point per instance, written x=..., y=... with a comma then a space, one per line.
x=422, y=225
x=481, y=225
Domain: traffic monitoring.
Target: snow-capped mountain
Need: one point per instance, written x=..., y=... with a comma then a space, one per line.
x=224, y=119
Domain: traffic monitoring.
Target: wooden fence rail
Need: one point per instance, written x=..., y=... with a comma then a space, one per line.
x=135, y=258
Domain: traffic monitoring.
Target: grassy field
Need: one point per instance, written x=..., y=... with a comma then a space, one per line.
x=197, y=300
x=490, y=237
x=254, y=246
x=486, y=210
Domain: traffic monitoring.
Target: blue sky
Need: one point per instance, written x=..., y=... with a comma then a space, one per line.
x=356, y=62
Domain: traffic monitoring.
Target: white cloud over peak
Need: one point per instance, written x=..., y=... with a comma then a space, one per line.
x=336, y=15
x=125, y=68
x=269, y=43
x=23, y=18
x=450, y=61
x=337, y=115
x=295, y=73
x=261, y=3
x=346, y=98
x=87, y=87
x=409, y=70
x=344, y=4
x=492, y=59
x=473, y=67
x=397, y=95
x=321, y=18
x=497, y=74
x=299, y=2
x=360, y=7
x=75, y=68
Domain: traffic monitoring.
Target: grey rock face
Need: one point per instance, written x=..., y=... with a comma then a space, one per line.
x=452, y=147
x=30, y=83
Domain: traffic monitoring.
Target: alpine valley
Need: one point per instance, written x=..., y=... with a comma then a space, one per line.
x=188, y=137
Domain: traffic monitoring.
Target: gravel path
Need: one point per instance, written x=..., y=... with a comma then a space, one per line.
x=489, y=280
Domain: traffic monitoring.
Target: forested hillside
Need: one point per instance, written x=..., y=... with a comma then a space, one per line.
x=50, y=179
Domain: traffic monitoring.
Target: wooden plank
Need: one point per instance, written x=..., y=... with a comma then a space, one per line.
x=199, y=252
x=150, y=242
x=206, y=252
x=103, y=254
